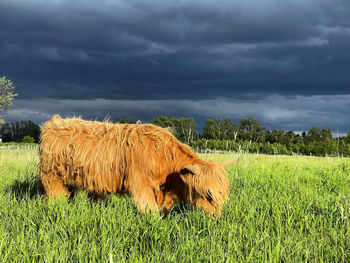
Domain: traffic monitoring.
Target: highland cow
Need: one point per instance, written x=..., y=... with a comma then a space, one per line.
x=144, y=160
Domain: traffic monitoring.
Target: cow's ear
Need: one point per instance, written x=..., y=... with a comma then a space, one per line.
x=193, y=168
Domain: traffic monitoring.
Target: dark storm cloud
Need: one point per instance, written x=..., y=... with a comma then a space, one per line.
x=183, y=50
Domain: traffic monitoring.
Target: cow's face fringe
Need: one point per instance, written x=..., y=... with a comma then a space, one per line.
x=208, y=186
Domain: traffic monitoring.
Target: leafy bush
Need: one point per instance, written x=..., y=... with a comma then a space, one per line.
x=28, y=139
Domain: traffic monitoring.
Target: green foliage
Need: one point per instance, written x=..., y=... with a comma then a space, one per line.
x=329, y=147
x=15, y=131
x=28, y=139
x=184, y=129
x=347, y=138
x=281, y=209
x=220, y=129
x=6, y=96
x=162, y=121
x=253, y=137
x=223, y=134
x=252, y=130
x=316, y=134
x=250, y=136
x=125, y=121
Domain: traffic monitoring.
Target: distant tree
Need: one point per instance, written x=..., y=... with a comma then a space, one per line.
x=326, y=134
x=28, y=139
x=220, y=129
x=15, y=131
x=6, y=96
x=298, y=139
x=165, y=122
x=210, y=130
x=230, y=129
x=252, y=130
x=276, y=136
x=291, y=135
x=313, y=135
x=162, y=121
x=289, y=138
x=250, y=125
x=184, y=129
x=347, y=138
x=124, y=121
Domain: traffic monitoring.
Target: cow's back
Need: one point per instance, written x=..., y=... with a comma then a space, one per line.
x=83, y=153
x=105, y=158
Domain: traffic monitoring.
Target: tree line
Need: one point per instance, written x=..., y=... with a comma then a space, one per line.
x=18, y=130
x=218, y=133
x=249, y=135
x=221, y=134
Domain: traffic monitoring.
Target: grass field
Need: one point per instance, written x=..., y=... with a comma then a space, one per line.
x=281, y=209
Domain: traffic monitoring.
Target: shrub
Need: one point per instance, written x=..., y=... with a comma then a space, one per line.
x=28, y=139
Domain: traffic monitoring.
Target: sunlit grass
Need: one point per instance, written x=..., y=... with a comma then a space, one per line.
x=281, y=208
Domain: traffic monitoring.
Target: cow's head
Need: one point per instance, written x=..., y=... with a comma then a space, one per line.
x=208, y=185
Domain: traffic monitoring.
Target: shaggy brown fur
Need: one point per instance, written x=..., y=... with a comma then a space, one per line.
x=142, y=159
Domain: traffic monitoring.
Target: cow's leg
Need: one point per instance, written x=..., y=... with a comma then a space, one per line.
x=145, y=199
x=143, y=194
x=53, y=186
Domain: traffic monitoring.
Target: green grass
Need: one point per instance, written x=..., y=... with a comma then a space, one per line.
x=281, y=209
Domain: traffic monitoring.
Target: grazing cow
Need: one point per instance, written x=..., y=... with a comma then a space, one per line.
x=144, y=160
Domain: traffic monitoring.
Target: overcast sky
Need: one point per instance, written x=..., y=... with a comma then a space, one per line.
x=286, y=63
